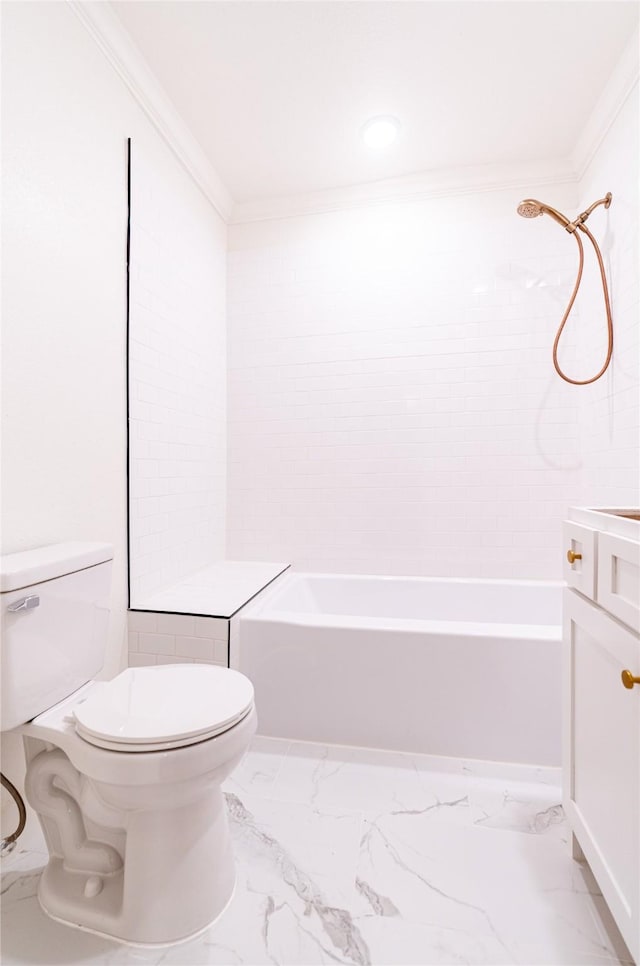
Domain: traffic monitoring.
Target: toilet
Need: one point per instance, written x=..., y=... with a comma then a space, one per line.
x=125, y=775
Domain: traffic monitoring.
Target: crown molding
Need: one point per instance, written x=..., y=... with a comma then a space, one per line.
x=466, y=180
x=606, y=109
x=128, y=62
x=425, y=185
x=126, y=59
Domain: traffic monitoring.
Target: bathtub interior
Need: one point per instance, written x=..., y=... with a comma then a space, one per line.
x=445, y=600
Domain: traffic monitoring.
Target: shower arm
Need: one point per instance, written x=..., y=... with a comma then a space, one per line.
x=580, y=220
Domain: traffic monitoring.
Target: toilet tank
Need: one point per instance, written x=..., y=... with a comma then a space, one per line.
x=55, y=614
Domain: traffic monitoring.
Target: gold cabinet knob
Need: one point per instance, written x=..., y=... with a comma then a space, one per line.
x=628, y=679
x=572, y=557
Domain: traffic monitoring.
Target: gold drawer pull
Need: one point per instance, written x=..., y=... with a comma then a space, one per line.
x=628, y=679
x=572, y=557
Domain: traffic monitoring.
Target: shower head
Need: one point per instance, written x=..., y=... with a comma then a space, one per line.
x=530, y=208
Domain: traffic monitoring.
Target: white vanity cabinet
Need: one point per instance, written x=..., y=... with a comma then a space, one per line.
x=601, y=640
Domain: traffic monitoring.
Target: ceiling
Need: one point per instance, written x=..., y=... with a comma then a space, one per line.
x=276, y=92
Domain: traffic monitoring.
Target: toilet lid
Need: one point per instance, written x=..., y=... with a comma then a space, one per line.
x=164, y=706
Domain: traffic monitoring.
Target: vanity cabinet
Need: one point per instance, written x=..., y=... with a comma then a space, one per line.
x=601, y=755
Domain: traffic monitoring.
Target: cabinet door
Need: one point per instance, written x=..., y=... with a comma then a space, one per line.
x=602, y=755
x=619, y=578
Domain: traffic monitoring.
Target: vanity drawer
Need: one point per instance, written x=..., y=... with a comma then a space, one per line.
x=618, y=580
x=582, y=571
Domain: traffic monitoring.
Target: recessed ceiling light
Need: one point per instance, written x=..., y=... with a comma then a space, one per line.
x=380, y=132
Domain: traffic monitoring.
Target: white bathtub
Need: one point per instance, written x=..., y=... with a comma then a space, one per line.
x=460, y=668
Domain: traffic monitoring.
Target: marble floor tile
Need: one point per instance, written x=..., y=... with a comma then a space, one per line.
x=396, y=941
x=260, y=766
x=356, y=778
x=512, y=888
x=21, y=858
x=292, y=845
x=360, y=857
x=496, y=803
x=503, y=771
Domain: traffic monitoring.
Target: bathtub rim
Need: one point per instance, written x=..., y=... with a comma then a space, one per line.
x=263, y=609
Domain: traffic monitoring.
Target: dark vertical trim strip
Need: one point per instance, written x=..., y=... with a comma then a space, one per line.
x=229, y=643
x=127, y=370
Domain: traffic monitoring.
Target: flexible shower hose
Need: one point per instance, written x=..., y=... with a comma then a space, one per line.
x=9, y=842
x=585, y=382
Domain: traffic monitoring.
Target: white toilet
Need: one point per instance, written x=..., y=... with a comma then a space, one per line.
x=125, y=775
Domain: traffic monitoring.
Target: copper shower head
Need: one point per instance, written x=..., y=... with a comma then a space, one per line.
x=530, y=208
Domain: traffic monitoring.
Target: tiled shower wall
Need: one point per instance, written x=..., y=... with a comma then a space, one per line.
x=392, y=402
x=610, y=413
x=177, y=639
x=156, y=638
x=177, y=385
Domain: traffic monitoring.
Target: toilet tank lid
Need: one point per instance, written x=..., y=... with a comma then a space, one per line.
x=28, y=567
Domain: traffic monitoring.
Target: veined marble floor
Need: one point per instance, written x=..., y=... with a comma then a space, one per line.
x=353, y=856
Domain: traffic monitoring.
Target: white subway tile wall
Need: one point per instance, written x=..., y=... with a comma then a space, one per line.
x=610, y=410
x=156, y=638
x=392, y=405
x=392, y=402
x=177, y=384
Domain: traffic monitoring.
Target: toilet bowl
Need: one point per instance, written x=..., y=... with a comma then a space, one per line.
x=125, y=775
x=126, y=779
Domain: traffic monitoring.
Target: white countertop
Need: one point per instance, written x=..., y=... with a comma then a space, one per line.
x=218, y=590
x=621, y=521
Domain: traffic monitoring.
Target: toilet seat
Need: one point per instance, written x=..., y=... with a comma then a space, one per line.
x=163, y=707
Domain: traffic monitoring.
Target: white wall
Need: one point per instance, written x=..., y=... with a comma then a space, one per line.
x=66, y=117
x=392, y=403
x=610, y=410
x=178, y=387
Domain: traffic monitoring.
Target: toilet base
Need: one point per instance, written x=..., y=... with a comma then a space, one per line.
x=139, y=844
x=139, y=945
x=178, y=877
